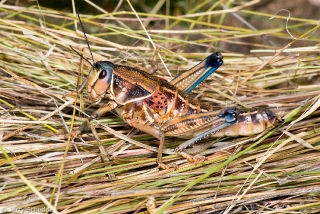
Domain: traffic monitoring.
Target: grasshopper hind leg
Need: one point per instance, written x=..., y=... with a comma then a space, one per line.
x=215, y=121
x=180, y=149
x=229, y=116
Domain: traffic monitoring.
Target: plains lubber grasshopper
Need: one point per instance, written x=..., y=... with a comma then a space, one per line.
x=163, y=108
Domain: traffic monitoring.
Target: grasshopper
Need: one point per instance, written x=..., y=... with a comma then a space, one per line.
x=163, y=108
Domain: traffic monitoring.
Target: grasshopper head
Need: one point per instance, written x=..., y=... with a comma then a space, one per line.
x=99, y=80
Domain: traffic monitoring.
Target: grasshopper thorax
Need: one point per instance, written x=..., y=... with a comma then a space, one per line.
x=99, y=80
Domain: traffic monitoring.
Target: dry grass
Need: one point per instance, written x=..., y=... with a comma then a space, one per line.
x=41, y=169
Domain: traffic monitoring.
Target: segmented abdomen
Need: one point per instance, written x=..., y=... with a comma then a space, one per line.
x=250, y=122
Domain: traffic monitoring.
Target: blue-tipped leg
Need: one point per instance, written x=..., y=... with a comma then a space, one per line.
x=194, y=76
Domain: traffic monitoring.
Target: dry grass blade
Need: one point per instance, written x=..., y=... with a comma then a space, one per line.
x=41, y=170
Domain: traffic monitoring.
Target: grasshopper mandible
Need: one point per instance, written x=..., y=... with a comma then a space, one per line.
x=161, y=108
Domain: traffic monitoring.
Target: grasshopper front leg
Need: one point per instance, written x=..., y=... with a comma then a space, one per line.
x=96, y=114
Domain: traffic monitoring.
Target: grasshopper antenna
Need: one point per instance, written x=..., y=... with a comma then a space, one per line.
x=80, y=55
x=85, y=35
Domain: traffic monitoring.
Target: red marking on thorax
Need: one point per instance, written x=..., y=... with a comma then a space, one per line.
x=157, y=101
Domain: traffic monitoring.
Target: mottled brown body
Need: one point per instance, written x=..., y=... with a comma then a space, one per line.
x=147, y=102
x=159, y=108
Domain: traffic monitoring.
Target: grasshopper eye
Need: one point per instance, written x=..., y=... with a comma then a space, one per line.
x=102, y=74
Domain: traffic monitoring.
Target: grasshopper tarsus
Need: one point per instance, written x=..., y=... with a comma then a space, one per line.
x=171, y=166
x=191, y=158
